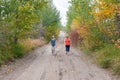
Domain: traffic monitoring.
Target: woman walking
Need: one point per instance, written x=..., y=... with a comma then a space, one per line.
x=67, y=44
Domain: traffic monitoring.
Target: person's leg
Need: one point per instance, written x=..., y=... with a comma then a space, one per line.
x=67, y=49
x=53, y=50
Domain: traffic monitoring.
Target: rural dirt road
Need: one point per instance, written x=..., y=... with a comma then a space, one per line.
x=40, y=64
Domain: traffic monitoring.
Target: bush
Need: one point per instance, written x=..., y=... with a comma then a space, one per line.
x=5, y=57
x=10, y=52
x=1, y=59
x=17, y=50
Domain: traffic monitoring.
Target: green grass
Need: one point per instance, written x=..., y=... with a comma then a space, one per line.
x=109, y=57
x=5, y=57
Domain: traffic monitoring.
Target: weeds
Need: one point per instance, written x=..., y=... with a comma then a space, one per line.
x=109, y=57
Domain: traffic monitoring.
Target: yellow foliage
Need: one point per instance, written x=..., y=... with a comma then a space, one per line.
x=117, y=43
x=83, y=30
x=103, y=10
x=117, y=9
x=26, y=7
x=75, y=24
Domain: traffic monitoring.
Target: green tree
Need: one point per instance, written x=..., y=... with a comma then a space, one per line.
x=17, y=18
x=50, y=21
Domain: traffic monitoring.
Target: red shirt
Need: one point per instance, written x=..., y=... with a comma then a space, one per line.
x=67, y=42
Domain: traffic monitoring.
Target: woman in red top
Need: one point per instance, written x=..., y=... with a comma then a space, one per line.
x=67, y=44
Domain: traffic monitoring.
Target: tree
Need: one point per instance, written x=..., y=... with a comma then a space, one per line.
x=21, y=15
x=94, y=17
x=50, y=21
x=17, y=18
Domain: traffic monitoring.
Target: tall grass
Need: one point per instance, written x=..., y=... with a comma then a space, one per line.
x=30, y=44
x=109, y=57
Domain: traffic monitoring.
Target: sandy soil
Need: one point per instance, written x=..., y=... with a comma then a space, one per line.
x=40, y=64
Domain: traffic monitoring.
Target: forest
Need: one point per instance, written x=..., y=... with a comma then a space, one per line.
x=25, y=25
x=95, y=24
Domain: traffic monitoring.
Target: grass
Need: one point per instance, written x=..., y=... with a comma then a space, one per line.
x=30, y=44
x=5, y=57
x=109, y=57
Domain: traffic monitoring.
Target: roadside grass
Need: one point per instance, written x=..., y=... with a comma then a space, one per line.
x=109, y=57
x=30, y=44
x=4, y=58
x=15, y=51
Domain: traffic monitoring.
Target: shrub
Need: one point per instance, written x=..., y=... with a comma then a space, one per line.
x=17, y=50
x=5, y=57
x=1, y=59
x=12, y=51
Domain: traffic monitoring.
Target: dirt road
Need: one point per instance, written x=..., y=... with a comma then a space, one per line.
x=40, y=64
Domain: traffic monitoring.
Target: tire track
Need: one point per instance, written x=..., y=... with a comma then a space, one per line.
x=43, y=75
x=60, y=74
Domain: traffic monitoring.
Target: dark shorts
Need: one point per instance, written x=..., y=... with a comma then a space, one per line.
x=67, y=48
